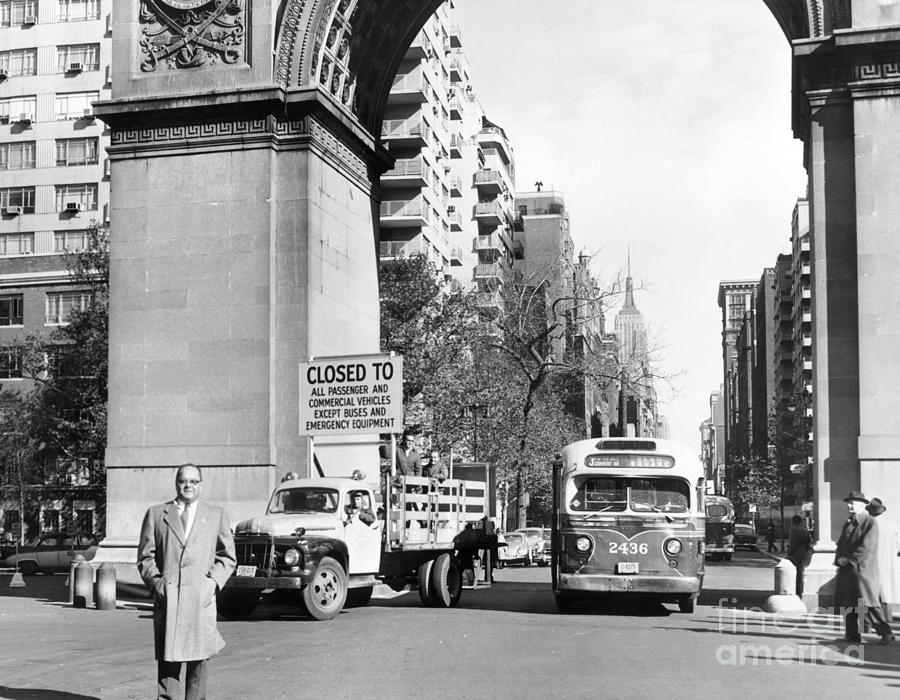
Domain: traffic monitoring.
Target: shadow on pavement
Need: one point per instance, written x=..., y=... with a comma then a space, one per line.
x=7, y=693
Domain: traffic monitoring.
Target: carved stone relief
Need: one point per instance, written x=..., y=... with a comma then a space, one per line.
x=177, y=34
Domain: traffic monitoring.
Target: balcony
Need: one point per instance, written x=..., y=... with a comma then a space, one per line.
x=491, y=302
x=806, y=340
x=490, y=272
x=455, y=35
x=492, y=139
x=456, y=142
x=398, y=249
x=405, y=132
x=805, y=293
x=420, y=48
x=409, y=89
x=459, y=71
x=489, y=213
x=407, y=172
x=403, y=213
x=807, y=365
x=455, y=186
x=455, y=221
x=455, y=107
x=456, y=257
x=490, y=242
x=488, y=182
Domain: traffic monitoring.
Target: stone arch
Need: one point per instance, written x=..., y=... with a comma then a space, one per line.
x=351, y=48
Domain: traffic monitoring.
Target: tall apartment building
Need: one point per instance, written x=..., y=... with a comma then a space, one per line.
x=54, y=63
x=734, y=299
x=801, y=309
x=448, y=196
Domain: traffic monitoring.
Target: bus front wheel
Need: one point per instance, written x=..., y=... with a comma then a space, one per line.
x=686, y=604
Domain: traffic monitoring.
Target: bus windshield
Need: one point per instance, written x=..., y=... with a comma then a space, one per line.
x=304, y=500
x=640, y=495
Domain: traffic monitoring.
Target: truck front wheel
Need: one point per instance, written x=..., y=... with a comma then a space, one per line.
x=446, y=581
x=326, y=594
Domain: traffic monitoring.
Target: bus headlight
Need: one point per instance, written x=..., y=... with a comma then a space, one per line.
x=290, y=557
x=672, y=547
x=583, y=544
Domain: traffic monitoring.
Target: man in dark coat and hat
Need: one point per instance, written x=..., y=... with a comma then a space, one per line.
x=857, y=591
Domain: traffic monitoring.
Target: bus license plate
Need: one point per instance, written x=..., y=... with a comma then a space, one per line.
x=627, y=567
x=245, y=571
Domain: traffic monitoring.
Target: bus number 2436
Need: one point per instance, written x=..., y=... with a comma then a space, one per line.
x=627, y=548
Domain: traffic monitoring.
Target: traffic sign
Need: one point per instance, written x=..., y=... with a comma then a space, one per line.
x=351, y=395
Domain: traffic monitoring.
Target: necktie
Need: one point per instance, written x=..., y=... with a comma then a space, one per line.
x=184, y=518
x=852, y=520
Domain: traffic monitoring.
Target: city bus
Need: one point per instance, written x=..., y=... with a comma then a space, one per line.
x=629, y=519
x=719, y=527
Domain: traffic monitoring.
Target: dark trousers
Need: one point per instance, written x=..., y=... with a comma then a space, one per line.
x=874, y=615
x=177, y=680
x=799, y=585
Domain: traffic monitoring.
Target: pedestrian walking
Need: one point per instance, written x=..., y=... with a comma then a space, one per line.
x=799, y=550
x=770, y=537
x=888, y=548
x=185, y=556
x=857, y=590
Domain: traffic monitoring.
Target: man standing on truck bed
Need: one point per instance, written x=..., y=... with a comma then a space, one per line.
x=185, y=556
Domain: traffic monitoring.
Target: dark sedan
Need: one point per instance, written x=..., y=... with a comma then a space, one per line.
x=744, y=536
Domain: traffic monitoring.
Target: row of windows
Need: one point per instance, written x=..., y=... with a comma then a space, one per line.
x=19, y=155
x=67, y=106
x=77, y=197
x=18, y=63
x=17, y=12
x=58, y=307
x=22, y=243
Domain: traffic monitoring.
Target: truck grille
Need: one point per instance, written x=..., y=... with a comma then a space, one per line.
x=254, y=552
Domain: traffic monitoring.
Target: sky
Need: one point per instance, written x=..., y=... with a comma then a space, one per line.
x=666, y=124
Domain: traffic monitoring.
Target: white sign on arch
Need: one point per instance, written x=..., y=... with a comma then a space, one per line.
x=351, y=395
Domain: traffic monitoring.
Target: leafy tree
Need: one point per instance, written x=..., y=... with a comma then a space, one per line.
x=65, y=412
x=754, y=480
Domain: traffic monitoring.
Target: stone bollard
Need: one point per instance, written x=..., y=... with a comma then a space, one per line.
x=106, y=587
x=82, y=583
x=785, y=599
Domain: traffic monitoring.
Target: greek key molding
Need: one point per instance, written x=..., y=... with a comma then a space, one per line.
x=191, y=34
x=215, y=133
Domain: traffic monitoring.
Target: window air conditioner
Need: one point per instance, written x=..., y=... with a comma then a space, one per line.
x=76, y=67
x=73, y=206
x=12, y=211
x=88, y=113
x=23, y=118
x=28, y=20
x=3, y=75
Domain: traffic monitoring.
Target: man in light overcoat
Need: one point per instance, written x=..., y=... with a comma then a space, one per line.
x=185, y=556
x=857, y=589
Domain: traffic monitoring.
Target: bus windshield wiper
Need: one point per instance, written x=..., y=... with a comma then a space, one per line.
x=668, y=518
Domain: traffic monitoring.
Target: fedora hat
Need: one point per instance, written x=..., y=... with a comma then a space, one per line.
x=876, y=507
x=856, y=496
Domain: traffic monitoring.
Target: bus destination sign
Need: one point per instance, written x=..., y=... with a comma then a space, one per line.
x=351, y=395
x=628, y=461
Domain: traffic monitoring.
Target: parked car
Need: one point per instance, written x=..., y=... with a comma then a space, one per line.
x=744, y=536
x=539, y=539
x=53, y=552
x=516, y=550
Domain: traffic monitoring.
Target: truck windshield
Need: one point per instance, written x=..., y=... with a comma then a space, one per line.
x=641, y=495
x=304, y=500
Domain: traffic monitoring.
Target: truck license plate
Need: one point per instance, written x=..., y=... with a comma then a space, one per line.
x=246, y=571
x=627, y=567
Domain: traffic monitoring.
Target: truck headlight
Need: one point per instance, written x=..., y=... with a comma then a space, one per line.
x=583, y=544
x=672, y=547
x=290, y=557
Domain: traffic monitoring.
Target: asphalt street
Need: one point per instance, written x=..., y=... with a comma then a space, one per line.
x=508, y=639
